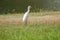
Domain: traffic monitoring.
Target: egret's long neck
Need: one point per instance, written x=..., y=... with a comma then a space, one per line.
x=28, y=10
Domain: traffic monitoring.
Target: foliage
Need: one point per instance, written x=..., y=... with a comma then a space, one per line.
x=18, y=6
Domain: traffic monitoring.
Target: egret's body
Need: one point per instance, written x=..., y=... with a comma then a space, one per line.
x=25, y=17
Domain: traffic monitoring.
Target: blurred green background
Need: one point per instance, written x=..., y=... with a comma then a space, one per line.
x=19, y=6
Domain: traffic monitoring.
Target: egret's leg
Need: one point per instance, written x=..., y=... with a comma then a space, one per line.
x=26, y=22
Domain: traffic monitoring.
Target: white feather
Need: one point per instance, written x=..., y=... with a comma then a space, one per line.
x=25, y=17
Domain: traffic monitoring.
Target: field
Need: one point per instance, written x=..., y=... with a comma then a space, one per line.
x=41, y=26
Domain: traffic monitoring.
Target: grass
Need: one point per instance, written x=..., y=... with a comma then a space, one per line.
x=31, y=31
x=42, y=13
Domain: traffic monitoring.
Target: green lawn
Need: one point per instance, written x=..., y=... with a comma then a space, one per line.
x=30, y=32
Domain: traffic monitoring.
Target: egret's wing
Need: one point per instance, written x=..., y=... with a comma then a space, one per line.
x=25, y=16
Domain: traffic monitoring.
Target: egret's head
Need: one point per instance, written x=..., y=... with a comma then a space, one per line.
x=29, y=7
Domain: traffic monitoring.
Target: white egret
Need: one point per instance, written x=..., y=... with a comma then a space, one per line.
x=25, y=17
